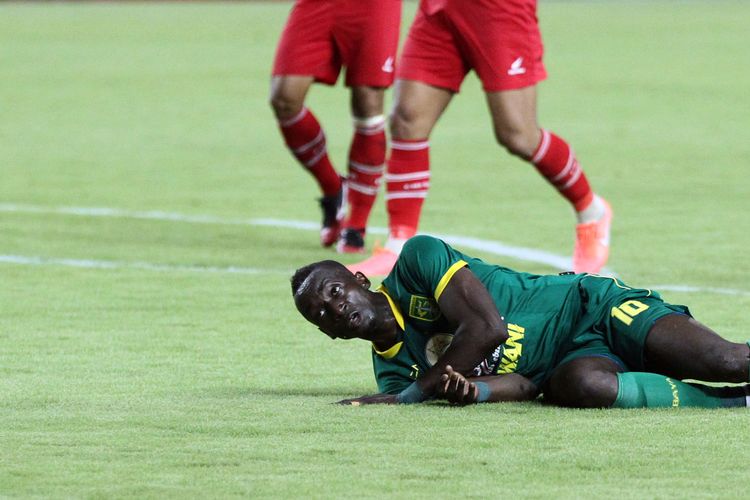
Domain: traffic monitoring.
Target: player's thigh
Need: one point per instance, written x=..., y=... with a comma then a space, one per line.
x=431, y=54
x=306, y=45
x=584, y=382
x=501, y=41
x=366, y=36
x=514, y=119
x=681, y=347
x=417, y=107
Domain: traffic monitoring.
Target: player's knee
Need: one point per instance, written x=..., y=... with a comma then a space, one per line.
x=731, y=363
x=516, y=141
x=583, y=388
x=284, y=104
x=404, y=122
x=367, y=101
x=597, y=389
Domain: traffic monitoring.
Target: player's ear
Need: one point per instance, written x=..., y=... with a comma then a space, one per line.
x=362, y=279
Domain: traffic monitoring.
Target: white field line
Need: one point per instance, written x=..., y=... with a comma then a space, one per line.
x=148, y=266
x=493, y=247
x=488, y=246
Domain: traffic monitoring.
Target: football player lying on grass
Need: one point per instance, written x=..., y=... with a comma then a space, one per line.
x=446, y=325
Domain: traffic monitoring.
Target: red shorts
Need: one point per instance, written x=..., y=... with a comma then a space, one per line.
x=499, y=39
x=321, y=36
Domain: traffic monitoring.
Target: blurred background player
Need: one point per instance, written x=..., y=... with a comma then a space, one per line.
x=319, y=38
x=500, y=40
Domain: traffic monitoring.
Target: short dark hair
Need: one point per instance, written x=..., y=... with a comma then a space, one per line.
x=301, y=274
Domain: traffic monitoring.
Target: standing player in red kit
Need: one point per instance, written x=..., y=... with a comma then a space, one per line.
x=500, y=40
x=319, y=38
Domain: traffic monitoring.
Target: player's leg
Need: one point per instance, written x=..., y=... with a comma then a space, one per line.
x=302, y=132
x=417, y=108
x=681, y=347
x=429, y=72
x=584, y=382
x=305, y=54
x=515, y=124
x=306, y=140
x=599, y=382
x=366, y=36
x=366, y=164
x=504, y=45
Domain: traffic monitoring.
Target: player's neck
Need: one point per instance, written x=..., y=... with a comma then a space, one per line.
x=386, y=331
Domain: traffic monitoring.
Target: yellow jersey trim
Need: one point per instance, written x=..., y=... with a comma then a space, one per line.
x=394, y=307
x=447, y=277
x=388, y=354
x=392, y=351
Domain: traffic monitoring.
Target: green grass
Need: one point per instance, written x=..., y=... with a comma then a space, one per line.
x=169, y=376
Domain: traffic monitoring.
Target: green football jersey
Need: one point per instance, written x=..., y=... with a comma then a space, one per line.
x=551, y=319
x=538, y=310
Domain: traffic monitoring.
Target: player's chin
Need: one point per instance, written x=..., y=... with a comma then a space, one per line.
x=362, y=324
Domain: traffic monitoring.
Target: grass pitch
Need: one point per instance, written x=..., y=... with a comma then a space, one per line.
x=148, y=343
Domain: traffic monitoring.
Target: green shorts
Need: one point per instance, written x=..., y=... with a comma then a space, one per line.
x=616, y=321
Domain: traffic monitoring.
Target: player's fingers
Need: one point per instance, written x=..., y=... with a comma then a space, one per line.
x=474, y=393
x=455, y=382
x=464, y=389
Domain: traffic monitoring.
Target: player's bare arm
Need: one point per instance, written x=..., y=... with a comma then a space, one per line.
x=382, y=399
x=459, y=390
x=467, y=304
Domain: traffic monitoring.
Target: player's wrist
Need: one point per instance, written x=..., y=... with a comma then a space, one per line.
x=483, y=391
x=410, y=395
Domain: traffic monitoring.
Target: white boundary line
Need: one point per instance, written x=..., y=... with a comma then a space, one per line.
x=493, y=247
x=148, y=266
x=488, y=246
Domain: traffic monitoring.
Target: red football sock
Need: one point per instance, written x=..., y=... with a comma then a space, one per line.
x=307, y=141
x=557, y=162
x=407, y=183
x=366, y=165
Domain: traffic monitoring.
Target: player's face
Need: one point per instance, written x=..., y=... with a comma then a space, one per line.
x=339, y=303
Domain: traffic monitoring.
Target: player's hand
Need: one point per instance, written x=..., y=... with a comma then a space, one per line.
x=375, y=399
x=456, y=389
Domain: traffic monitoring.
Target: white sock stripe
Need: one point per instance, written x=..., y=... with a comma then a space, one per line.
x=362, y=188
x=411, y=176
x=305, y=147
x=377, y=121
x=371, y=131
x=312, y=161
x=406, y=194
x=573, y=179
x=291, y=121
x=562, y=174
x=410, y=146
x=543, y=147
x=367, y=169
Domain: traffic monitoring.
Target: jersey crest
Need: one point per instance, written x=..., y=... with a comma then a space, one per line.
x=423, y=308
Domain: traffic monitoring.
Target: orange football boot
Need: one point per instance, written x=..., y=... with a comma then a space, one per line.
x=379, y=264
x=592, y=243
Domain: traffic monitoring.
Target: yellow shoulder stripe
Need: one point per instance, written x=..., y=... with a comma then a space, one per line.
x=394, y=307
x=447, y=277
x=390, y=352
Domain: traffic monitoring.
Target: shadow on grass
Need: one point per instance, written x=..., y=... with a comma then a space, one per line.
x=245, y=392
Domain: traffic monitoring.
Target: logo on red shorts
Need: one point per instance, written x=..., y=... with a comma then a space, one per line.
x=517, y=67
